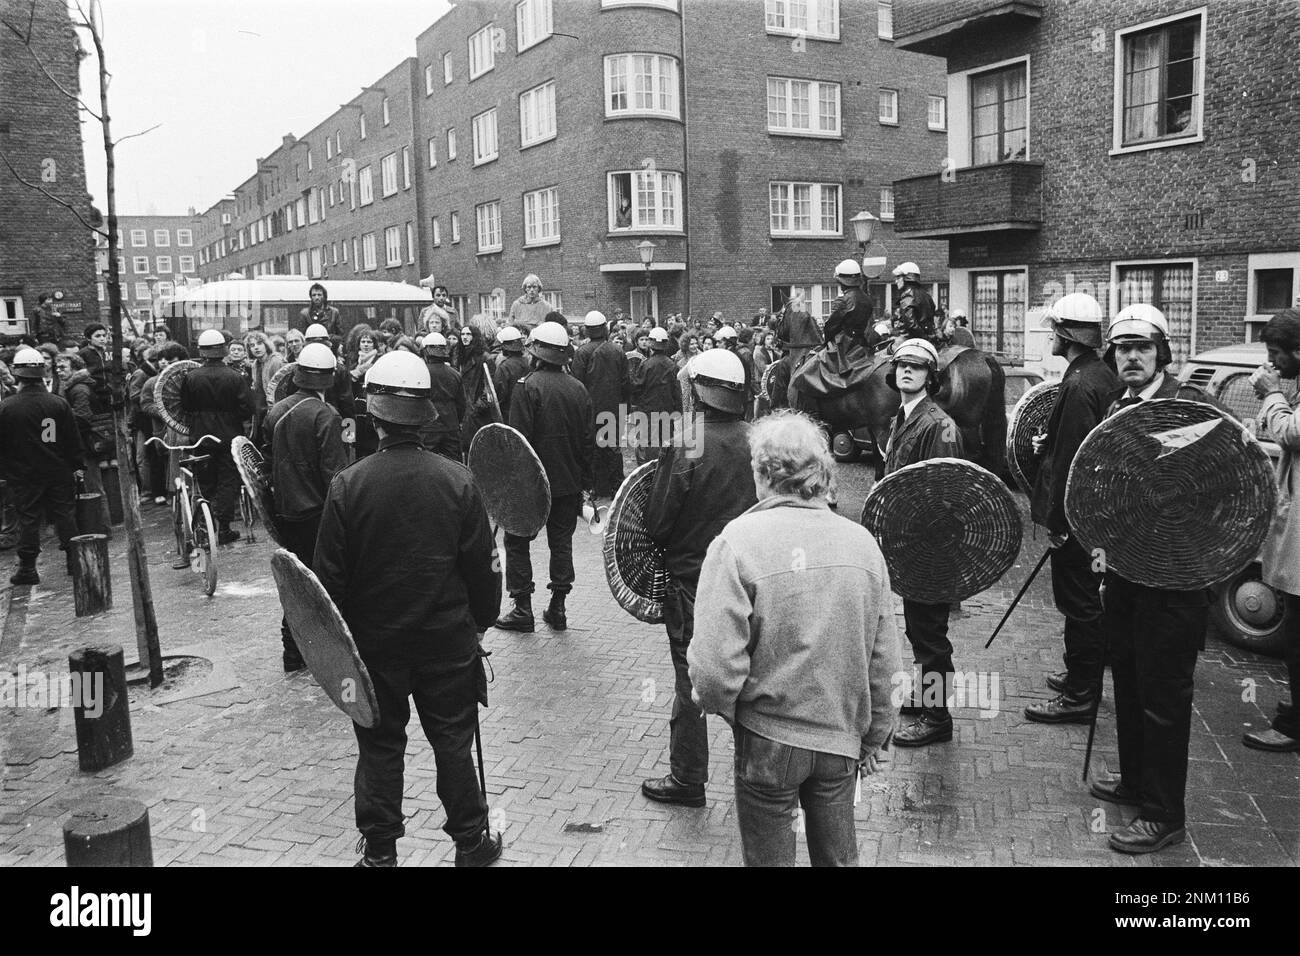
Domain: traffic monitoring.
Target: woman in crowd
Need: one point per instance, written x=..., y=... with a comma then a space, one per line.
x=293, y=343
x=265, y=362
x=50, y=352
x=472, y=362
x=359, y=352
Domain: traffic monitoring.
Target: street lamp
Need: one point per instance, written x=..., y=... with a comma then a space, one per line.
x=873, y=253
x=153, y=298
x=646, y=249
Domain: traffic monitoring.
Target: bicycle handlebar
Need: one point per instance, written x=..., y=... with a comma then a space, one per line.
x=212, y=438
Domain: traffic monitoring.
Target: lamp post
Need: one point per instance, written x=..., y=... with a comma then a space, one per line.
x=153, y=299
x=646, y=249
x=873, y=253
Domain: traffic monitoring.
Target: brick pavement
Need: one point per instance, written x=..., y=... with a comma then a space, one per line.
x=259, y=771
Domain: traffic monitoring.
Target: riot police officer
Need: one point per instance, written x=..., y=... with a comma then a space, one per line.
x=441, y=434
x=851, y=310
x=915, y=307
x=512, y=367
x=601, y=366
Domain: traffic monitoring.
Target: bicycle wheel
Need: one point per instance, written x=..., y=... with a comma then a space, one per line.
x=205, y=547
x=247, y=513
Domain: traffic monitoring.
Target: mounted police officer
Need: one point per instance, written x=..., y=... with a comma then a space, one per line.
x=40, y=456
x=915, y=309
x=601, y=366
x=551, y=409
x=851, y=310
x=1085, y=393
x=657, y=394
x=304, y=441
x=441, y=433
x=405, y=550
x=512, y=367
x=702, y=481
x=921, y=431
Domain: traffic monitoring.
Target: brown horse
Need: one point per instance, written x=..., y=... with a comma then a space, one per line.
x=971, y=391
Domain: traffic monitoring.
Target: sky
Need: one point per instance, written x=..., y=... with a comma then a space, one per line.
x=227, y=80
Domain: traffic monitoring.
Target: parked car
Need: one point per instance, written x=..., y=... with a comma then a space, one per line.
x=1246, y=612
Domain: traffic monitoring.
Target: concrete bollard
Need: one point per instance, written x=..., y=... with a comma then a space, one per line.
x=92, y=584
x=108, y=831
x=103, y=714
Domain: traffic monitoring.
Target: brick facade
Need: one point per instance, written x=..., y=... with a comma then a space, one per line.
x=139, y=239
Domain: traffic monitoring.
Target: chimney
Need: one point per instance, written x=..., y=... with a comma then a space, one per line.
x=288, y=140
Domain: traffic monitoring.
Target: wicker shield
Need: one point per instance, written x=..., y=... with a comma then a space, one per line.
x=1029, y=418
x=257, y=482
x=949, y=529
x=1171, y=494
x=511, y=479
x=634, y=564
x=167, y=394
x=281, y=385
x=324, y=640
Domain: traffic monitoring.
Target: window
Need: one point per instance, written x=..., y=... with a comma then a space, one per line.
x=162, y=237
x=367, y=187
x=140, y=265
x=646, y=199
x=165, y=287
x=446, y=68
x=485, y=137
x=532, y=22
x=804, y=209
x=140, y=237
x=333, y=194
x=451, y=144
x=184, y=237
x=428, y=79
x=817, y=298
x=406, y=167
x=803, y=107
x=310, y=164
x=889, y=107
x=997, y=318
x=435, y=236
x=537, y=115
x=1273, y=290
x=313, y=214
x=936, y=112
x=488, y=218
x=186, y=263
x=1159, y=83
x=387, y=175
x=455, y=227
x=142, y=290
x=300, y=212
x=887, y=203
x=383, y=108
x=1170, y=287
x=481, y=52
x=554, y=300
x=363, y=125
x=354, y=251
x=885, y=19
x=329, y=147
x=338, y=141
x=641, y=84
x=493, y=304
x=433, y=151
x=999, y=120
x=816, y=19
x=225, y=221
x=368, y=251
x=542, y=217
x=410, y=242
x=393, y=246
x=315, y=263
x=164, y=264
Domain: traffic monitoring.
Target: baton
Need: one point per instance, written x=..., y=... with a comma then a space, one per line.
x=482, y=781
x=1023, y=588
x=492, y=391
x=1096, y=700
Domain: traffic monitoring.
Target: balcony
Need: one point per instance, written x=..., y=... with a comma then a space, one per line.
x=1001, y=197
x=931, y=26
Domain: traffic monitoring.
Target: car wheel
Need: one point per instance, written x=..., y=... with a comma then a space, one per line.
x=843, y=448
x=1247, y=613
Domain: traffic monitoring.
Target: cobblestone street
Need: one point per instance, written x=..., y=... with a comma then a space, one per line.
x=240, y=764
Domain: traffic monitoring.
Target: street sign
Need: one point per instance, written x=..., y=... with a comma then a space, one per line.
x=873, y=260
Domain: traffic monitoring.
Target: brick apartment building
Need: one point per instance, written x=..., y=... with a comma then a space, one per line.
x=43, y=246
x=1134, y=149
x=156, y=256
x=555, y=136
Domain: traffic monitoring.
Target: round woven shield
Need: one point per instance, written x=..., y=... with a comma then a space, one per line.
x=949, y=529
x=1171, y=494
x=1029, y=418
x=281, y=385
x=511, y=479
x=765, y=388
x=167, y=394
x=257, y=482
x=634, y=565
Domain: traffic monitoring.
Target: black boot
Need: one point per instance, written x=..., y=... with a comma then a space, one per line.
x=25, y=573
x=376, y=853
x=226, y=534
x=554, y=615
x=521, y=618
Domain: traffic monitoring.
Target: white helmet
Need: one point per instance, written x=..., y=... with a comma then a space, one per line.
x=28, y=363
x=848, y=267
x=212, y=343
x=658, y=334
x=594, y=318
x=509, y=334
x=315, y=367
x=907, y=269
x=397, y=389
x=1075, y=307
x=436, y=343
x=958, y=314
x=726, y=332
x=1138, y=322
x=549, y=342
x=916, y=351
x=719, y=379
x=316, y=331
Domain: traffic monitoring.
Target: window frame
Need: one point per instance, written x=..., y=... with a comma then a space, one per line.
x=520, y=45
x=180, y=264
x=451, y=143
x=1002, y=327
x=392, y=233
x=455, y=227
x=482, y=158
x=428, y=79
x=383, y=112
x=366, y=186
x=542, y=240
x=448, y=72
x=410, y=243
x=489, y=248
x=930, y=100
x=363, y=124
x=814, y=107
x=630, y=92
x=1118, y=147
x=166, y=240
x=139, y=238
x=435, y=235
x=388, y=175
x=187, y=235
x=814, y=203
x=489, y=51
x=433, y=152
x=887, y=188
x=135, y=265
x=1160, y=265
x=406, y=167
x=524, y=142
x=884, y=32
x=887, y=120
x=368, y=252
x=611, y=201
x=163, y=269
x=1021, y=63
x=769, y=6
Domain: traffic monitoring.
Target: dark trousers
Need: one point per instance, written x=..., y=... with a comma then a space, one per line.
x=607, y=463
x=1154, y=639
x=927, y=632
x=688, y=735
x=219, y=481
x=560, y=525
x=1076, y=590
x=446, y=700
x=155, y=463
x=1290, y=724
x=300, y=538
x=31, y=502
x=773, y=781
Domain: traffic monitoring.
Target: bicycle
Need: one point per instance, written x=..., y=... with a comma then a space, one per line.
x=192, y=524
x=247, y=513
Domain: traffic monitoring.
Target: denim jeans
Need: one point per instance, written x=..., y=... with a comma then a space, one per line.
x=773, y=781
x=688, y=732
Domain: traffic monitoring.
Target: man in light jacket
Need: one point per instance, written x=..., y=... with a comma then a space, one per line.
x=795, y=646
x=1279, y=420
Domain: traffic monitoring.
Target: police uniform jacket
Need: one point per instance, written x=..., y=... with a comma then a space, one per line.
x=601, y=366
x=654, y=385
x=513, y=367
x=698, y=490
x=927, y=433
x=217, y=401
x=916, y=311
x=850, y=313
x=405, y=551
x=553, y=411
x=1087, y=390
x=39, y=441
x=448, y=396
x=305, y=438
